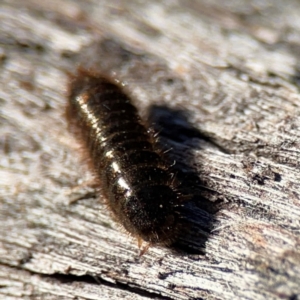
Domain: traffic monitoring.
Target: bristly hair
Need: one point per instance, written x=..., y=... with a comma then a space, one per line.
x=135, y=177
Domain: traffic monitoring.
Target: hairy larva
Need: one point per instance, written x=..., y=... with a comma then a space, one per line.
x=135, y=178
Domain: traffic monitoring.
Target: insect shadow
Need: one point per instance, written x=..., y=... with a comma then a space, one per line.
x=177, y=136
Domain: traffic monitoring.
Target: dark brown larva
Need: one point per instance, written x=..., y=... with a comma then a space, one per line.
x=139, y=187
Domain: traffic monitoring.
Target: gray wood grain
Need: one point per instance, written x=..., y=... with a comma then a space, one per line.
x=219, y=82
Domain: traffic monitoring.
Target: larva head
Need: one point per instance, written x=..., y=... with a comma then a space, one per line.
x=90, y=85
x=150, y=214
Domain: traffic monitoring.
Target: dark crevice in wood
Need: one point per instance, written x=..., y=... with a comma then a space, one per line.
x=23, y=45
x=295, y=79
x=90, y=279
x=140, y=292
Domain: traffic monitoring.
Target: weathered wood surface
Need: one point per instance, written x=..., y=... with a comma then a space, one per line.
x=221, y=84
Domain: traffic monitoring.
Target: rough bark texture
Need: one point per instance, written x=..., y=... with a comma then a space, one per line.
x=220, y=82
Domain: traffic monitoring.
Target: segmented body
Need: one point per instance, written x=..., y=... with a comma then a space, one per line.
x=134, y=176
